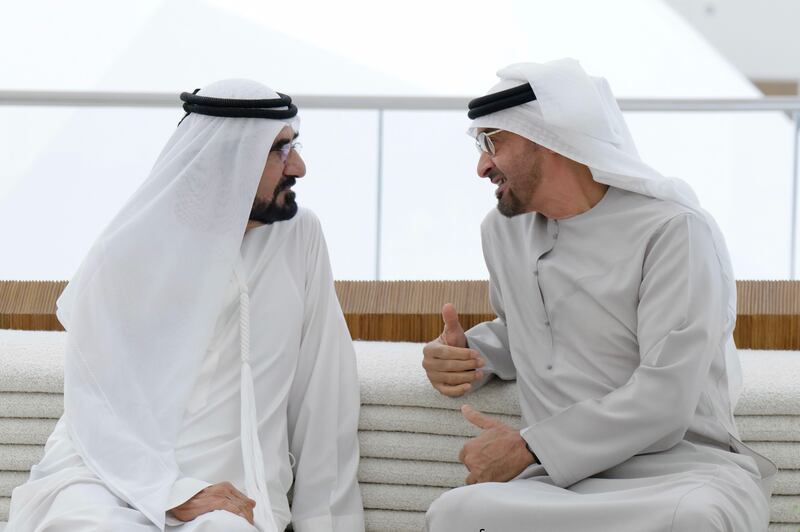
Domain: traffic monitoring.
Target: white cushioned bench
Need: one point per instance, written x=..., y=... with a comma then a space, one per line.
x=409, y=434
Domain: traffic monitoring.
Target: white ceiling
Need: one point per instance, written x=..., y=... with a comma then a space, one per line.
x=448, y=47
x=761, y=38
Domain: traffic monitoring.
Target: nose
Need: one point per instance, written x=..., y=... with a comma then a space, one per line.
x=485, y=165
x=295, y=166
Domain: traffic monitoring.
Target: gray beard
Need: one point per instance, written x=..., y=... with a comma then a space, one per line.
x=509, y=205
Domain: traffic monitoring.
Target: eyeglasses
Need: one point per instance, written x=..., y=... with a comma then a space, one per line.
x=285, y=149
x=484, y=144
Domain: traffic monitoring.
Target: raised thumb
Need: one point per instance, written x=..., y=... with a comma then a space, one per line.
x=450, y=317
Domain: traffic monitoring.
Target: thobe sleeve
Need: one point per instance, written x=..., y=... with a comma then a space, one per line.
x=681, y=327
x=182, y=490
x=323, y=408
x=490, y=338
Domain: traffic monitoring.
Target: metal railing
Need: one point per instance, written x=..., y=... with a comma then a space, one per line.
x=388, y=103
x=434, y=103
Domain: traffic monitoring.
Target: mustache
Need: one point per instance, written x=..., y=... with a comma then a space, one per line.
x=284, y=184
x=287, y=182
x=495, y=173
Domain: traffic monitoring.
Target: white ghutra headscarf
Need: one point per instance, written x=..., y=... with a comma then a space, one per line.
x=577, y=116
x=141, y=309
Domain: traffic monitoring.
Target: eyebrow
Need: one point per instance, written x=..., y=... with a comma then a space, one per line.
x=283, y=142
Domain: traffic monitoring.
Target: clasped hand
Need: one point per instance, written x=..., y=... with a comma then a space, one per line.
x=222, y=496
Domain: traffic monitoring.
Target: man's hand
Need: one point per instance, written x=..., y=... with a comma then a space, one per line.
x=451, y=366
x=222, y=496
x=497, y=455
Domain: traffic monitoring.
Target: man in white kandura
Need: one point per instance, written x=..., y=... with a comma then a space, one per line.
x=208, y=367
x=615, y=305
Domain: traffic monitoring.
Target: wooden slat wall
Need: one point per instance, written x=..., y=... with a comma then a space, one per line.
x=768, y=311
x=409, y=311
x=30, y=305
x=768, y=315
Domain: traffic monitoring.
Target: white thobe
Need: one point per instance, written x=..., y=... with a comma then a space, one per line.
x=307, y=405
x=613, y=324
